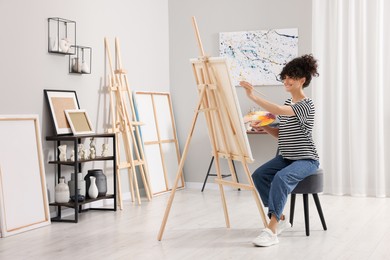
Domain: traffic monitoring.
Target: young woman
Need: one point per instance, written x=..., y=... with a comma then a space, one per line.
x=298, y=157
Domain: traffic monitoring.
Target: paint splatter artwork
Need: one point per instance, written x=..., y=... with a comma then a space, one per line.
x=258, y=56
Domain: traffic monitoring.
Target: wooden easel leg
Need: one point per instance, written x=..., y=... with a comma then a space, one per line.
x=180, y=168
x=221, y=191
x=255, y=196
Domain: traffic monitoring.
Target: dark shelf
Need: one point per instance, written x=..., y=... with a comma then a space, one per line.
x=72, y=163
x=72, y=204
x=77, y=164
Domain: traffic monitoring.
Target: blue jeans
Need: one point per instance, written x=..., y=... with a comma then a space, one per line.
x=277, y=178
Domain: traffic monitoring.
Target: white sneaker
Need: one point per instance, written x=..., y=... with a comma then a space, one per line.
x=282, y=225
x=266, y=238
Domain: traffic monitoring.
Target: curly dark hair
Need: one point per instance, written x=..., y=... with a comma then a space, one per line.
x=301, y=67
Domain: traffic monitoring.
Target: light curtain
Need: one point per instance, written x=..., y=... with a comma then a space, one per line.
x=351, y=40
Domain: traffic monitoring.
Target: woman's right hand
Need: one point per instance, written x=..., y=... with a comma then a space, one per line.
x=248, y=87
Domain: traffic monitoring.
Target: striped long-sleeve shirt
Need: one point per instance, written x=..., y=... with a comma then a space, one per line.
x=295, y=132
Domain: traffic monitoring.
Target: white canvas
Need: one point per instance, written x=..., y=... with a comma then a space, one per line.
x=232, y=125
x=23, y=198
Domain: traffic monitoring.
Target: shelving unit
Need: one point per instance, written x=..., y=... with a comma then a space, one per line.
x=77, y=164
x=81, y=61
x=61, y=36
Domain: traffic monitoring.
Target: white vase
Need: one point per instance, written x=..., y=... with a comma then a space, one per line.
x=53, y=44
x=93, y=190
x=62, y=194
x=84, y=67
x=76, y=65
x=64, y=45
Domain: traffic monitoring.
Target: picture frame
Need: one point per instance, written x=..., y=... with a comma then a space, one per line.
x=79, y=121
x=58, y=101
x=23, y=195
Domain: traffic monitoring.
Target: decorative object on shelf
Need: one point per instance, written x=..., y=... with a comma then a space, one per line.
x=59, y=101
x=62, y=193
x=61, y=36
x=105, y=150
x=92, y=149
x=62, y=155
x=79, y=121
x=93, y=189
x=72, y=158
x=92, y=153
x=80, y=149
x=80, y=61
x=80, y=197
x=81, y=185
x=101, y=180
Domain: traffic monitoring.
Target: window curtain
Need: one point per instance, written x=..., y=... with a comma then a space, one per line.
x=351, y=40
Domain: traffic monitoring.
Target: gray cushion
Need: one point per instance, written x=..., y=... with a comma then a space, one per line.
x=311, y=184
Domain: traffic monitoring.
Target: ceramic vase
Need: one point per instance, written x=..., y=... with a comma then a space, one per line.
x=84, y=67
x=62, y=194
x=64, y=45
x=76, y=65
x=101, y=180
x=81, y=186
x=93, y=190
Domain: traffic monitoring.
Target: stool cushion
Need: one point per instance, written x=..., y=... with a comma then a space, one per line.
x=311, y=184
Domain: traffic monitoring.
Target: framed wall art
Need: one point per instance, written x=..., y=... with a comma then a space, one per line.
x=59, y=101
x=79, y=121
x=23, y=196
x=258, y=56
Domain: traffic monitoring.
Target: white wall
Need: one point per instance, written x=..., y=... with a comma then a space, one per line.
x=223, y=16
x=26, y=67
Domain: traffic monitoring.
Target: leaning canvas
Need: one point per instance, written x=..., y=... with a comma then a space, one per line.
x=23, y=195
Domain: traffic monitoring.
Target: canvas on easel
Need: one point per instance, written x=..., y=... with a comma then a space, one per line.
x=218, y=101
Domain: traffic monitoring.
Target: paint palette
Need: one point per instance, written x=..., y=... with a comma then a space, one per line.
x=264, y=117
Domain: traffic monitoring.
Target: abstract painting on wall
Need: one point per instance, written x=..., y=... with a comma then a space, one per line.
x=258, y=56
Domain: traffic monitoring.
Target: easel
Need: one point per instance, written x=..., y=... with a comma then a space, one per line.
x=213, y=174
x=211, y=101
x=124, y=125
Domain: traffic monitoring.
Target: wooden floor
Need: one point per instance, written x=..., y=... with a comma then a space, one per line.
x=358, y=228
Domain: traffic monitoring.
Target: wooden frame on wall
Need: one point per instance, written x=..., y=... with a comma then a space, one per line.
x=59, y=101
x=23, y=195
x=161, y=145
x=79, y=121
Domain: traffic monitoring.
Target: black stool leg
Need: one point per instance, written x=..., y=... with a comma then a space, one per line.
x=319, y=209
x=208, y=172
x=234, y=167
x=292, y=208
x=306, y=211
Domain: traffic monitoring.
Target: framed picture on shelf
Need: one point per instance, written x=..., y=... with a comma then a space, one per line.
x=59, y=101
x=79, y=121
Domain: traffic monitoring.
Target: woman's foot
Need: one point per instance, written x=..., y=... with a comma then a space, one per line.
x=266, y=238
